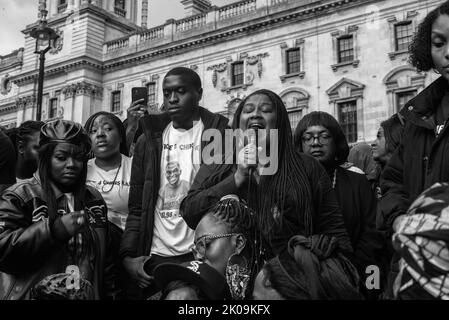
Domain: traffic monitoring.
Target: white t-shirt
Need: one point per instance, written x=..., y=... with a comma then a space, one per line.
x=115, y=193
x=180, y=163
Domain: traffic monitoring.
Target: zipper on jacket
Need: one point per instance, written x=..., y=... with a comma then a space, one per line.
x=426, y=167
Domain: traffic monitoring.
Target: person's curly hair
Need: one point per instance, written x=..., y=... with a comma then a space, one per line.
x=420, y=48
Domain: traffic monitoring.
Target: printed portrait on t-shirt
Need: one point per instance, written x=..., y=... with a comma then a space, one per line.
x=176, y=188
x=180, y=162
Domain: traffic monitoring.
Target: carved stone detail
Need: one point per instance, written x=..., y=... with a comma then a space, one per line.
x=218, y=68
x=58, y=44
x=82, y=88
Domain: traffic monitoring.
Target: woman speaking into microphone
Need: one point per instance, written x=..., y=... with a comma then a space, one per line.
x=291, y=197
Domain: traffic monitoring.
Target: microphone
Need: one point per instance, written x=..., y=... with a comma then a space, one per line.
x=253, y=139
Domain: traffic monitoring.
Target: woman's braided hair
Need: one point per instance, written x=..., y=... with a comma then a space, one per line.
x=290, y=180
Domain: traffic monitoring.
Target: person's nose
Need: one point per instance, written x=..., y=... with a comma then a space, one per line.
x=100, y=132
x=70, y=162
x=446, y=51
x=173, y=98
x=316, y=141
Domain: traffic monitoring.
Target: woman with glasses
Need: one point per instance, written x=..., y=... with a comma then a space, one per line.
x=318, y=134
x=224, y=239
x=294, y=198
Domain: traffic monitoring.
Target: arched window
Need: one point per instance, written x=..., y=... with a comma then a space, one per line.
x=296, y=101
x=403, y=83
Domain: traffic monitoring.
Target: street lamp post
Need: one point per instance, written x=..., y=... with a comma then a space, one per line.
x=44, y=36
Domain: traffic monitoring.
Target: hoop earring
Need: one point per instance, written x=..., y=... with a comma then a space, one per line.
x=237, y=276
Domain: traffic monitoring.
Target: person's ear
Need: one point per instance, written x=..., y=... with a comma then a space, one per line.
x=20, y=147
x=200, y=94
x=240, y=243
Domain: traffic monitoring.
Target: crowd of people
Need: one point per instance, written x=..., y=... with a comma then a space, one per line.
x=135, y=210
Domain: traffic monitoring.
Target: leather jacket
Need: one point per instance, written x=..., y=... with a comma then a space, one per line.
x=30, y=251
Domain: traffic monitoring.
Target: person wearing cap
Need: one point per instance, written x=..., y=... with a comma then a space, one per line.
x=155, y=231
x=53, y=223
x=193, y=280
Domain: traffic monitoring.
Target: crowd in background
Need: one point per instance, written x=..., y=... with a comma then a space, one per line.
x=131, y=210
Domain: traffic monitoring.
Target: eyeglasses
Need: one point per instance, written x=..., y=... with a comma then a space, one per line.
x=323, y=138
x=201, y=244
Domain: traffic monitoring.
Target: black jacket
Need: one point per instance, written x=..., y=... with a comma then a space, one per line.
x=327, y=218
x=7, y=162
x=421, y=160
x=145, y=180
x=359, y=208
x=30, y=250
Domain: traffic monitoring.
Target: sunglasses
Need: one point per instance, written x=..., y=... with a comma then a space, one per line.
x=201, y=244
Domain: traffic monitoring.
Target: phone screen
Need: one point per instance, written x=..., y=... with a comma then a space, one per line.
x=138, y=93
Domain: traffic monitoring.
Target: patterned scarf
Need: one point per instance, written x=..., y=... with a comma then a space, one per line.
x=422, y=240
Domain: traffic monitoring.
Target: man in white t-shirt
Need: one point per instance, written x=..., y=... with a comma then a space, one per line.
x=166, y=159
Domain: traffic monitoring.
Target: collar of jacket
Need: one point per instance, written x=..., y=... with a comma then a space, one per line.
x=155, y=124
x=56, y=190
x=420, y=109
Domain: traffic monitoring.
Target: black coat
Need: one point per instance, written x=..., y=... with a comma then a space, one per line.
x=359, y=208
x=421, y=160
x=7, y=162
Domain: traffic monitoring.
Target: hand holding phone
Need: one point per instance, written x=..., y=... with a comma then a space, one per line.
x=139, y=93
x=139, y=104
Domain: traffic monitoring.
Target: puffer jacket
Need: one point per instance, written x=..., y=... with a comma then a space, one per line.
x=30, y=251
x=422, y=158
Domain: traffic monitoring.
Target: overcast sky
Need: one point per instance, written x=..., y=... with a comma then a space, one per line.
x=16, y=14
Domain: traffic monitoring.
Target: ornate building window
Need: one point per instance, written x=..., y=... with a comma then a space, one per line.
x=293, y=60
x=296, y=101
x=347, y=116
x=347, y=97
x=403, y=35
x=120, y=8
x=62, y=5
x=151, y=92
x=345, y=49
x=53, y=108
x=116, y=101
x=237, y=73
x=403, y=83
x=402, y=29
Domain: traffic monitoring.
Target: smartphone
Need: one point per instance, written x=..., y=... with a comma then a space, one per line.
x=138, y=93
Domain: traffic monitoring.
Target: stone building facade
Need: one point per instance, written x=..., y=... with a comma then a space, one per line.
x=345, y=57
